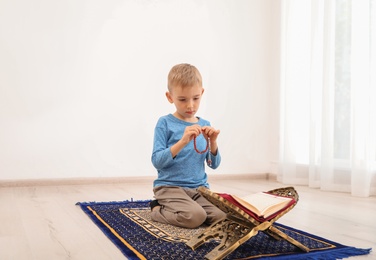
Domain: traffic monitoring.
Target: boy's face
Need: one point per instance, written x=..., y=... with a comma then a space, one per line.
x=186, y=100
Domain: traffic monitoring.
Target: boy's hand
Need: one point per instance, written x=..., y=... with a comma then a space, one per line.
x=210, y=132
x=191, y=132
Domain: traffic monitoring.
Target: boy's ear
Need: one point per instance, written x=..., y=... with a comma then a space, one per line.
x=169, y=98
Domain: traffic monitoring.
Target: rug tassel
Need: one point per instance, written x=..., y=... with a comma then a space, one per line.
x=327, y=255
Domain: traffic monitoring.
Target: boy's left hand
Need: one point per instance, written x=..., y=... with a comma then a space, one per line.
x=210, y=132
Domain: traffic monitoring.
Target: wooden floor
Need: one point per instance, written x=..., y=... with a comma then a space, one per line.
x=43, y=222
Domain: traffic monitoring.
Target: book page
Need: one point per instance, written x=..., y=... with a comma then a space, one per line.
x=263, y=204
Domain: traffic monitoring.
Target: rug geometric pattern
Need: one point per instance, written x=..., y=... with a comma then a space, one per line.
x=128, y=225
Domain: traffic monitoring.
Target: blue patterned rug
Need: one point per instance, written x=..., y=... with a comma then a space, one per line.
x=128, y=225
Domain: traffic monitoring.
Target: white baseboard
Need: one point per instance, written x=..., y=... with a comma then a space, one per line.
x=112, y=180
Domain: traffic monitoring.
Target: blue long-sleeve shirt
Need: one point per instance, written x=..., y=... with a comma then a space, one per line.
x=187, y=169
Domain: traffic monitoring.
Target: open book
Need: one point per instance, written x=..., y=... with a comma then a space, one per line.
x=262, y=205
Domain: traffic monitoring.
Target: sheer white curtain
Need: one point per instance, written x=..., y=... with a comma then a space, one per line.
x=328, y=95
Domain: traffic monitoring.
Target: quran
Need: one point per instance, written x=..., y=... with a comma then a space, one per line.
x=262, y=206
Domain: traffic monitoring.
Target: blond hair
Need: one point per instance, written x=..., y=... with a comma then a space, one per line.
x=183, y=75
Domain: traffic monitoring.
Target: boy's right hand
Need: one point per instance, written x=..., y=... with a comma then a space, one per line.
x=191, y=132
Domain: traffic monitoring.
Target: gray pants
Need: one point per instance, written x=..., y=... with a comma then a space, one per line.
x=184, y=207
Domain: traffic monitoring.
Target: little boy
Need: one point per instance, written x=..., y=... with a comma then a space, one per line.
x=182, y=144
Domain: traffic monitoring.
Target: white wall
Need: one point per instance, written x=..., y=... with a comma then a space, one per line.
x=82, y=83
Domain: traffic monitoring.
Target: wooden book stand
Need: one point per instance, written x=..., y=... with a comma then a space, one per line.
x=239, y=226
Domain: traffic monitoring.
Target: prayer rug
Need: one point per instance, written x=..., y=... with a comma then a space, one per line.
x=128, y=225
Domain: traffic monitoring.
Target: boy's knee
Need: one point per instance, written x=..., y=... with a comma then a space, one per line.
x=220, y=215
x=192, y=219
x=215, y=216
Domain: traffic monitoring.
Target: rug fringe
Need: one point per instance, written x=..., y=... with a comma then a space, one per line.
x=334, y=254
